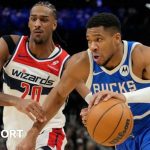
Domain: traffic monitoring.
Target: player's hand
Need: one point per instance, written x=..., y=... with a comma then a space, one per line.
x=28, y=143
x=32, y=109
x=83, y=115
x=104, y=96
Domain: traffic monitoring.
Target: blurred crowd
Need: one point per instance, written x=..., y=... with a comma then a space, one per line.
x=72, y=22
x=68, y=19
x=15, y=20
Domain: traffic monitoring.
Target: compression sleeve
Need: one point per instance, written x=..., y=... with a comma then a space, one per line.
x=139, y=96
x=10, y=43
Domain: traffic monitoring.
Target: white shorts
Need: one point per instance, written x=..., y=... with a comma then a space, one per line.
x=11, y=143
x=54, y=138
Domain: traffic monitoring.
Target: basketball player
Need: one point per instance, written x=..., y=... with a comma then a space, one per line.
x=108, y=64
x=34, y=68
x=141, y=96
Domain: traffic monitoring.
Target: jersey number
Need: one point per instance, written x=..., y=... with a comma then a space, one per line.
x=35, y=91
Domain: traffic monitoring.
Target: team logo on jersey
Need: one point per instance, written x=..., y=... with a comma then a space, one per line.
x=55, y=62
x=33, y=78
x=124, y=70
x=97, y=73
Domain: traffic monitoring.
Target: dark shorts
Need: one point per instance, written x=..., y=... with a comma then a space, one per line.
x=44, y=148
x=139, y=142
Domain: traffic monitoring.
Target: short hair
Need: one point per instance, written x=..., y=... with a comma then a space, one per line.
x=49, y=5
x=107, y=20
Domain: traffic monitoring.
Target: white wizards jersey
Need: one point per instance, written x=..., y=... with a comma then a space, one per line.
x=31, y=78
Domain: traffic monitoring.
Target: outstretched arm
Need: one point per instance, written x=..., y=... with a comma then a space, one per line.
x=83, y=90
x=9, y=100
x=29, y=107
x=72, y=76
x=76, y=72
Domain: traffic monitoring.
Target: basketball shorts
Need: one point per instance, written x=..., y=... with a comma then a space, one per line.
x=51, y=140
x=44, y=148
x=139, y=142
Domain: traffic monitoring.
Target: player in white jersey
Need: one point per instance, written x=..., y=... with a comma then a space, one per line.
x=34, y=68
x=104, y=41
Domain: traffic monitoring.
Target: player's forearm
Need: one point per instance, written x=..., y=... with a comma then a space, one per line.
x=8, y=100
x=52, y=104
x=56, y=99
x=139, y=96
x=83, y=90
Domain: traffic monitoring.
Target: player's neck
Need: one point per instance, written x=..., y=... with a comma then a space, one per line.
x=42, y=50
x=116, y=58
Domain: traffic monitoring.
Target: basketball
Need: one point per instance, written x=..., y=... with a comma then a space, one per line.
x=110, y=122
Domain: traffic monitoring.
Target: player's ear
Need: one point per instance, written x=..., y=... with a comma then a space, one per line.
x=117, y=38
x=29, y=24
x=54, y=25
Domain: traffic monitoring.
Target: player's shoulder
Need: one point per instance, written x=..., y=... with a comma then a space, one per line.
x=78, y=65
x=81, y=57
x=141, y=50
x=141, y=54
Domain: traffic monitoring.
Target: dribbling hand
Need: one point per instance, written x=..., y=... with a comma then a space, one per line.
x=104, y=96
x=83, y=115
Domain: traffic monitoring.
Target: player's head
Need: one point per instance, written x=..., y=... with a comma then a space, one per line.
x=104, y=36
x=42, y=21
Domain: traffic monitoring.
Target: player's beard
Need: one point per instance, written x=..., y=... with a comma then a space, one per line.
x=38, y=40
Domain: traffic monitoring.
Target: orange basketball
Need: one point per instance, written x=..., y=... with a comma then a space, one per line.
x=110, y=123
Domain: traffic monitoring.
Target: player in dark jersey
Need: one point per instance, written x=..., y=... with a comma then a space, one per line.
x=129, y=74
x=108, y=51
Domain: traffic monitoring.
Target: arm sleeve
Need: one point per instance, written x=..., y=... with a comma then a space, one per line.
x=139, y=96
x=10, y=43
x=88, y=97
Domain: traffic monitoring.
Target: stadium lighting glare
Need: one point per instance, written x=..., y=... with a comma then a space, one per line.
x=147, y=5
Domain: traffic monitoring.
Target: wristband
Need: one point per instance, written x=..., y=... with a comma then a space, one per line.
x=88, y=97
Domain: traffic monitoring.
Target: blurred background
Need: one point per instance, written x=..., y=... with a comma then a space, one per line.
x=72, y=17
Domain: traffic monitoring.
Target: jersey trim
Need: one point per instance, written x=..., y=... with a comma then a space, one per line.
x=43, y=59
x=134, y=77
x=90, y=77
